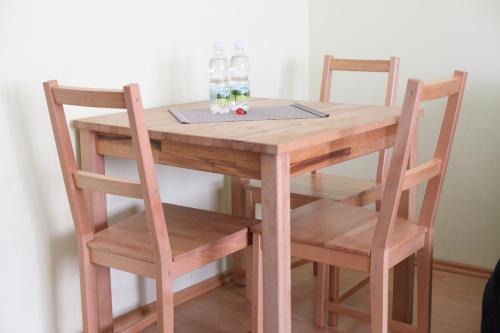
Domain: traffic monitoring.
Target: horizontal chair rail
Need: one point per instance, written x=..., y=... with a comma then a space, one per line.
x=146, y=321
x=421, y=173
x=394, y=325
x=99, y=98
x=107, y=184
x=360, y=65
x=354, y=289
x=440, y=89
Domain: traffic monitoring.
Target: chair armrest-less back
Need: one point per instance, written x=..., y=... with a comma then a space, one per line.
x=399, y=179
x=391, y=67
x=77, y=181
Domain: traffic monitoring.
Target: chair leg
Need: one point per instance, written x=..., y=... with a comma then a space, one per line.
x=248, y=210
x=424, y=285
x=88, y=286
x=333, y=292
x=248, y=274
x=379, y=292
x=257, y=298
x=321, y=290
x=164, y=303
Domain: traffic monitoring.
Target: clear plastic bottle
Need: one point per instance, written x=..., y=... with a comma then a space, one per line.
x=240, y=85
x=219, y=88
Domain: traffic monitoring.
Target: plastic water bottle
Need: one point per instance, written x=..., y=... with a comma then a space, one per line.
x=240, y=85
x=219, y=88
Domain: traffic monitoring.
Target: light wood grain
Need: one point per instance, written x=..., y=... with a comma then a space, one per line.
x=353, y=65
x=441, y=89
x=276, y=243
x=139, y=244
x=257, y=136
x=355, y=191
x=107, y=184
x=421, y=173
x=191, y=231
x=328, y=232
x=310, y=159
x=257, y=289
x=98, y=98
x=457, y=303
x=92, y=161
x=83, y=225
x=333, y=293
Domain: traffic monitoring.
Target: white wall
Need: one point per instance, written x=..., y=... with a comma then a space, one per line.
x=433, y=38
x=162, y=45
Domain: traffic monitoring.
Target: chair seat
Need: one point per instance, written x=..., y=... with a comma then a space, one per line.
x=339, y=188
x=191, y=232
x=342, y=227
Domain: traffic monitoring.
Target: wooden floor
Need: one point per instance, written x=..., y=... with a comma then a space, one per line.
x=456, y=306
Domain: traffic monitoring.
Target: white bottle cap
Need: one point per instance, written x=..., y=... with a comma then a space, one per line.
x=218, y=45
x=239, y=45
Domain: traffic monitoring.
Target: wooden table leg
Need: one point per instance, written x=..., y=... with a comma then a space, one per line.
x=404, y=272
x=96, y=202
x=276, y=242
x=239, y=258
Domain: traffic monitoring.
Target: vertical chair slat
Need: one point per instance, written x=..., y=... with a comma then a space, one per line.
x=443, y=148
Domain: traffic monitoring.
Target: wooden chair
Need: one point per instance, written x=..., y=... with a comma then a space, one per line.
x=315, y=186
x=162, y=242
x=310, y=187
x=342, y=235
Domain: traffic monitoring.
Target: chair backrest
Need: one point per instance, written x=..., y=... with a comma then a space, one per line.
x=399, y=178
x=390, y=66
x=77, y=181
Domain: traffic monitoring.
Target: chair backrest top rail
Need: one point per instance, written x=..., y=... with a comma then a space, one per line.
x=440, y=89
x=359, y=65
x=100, y=98
x=432, y=172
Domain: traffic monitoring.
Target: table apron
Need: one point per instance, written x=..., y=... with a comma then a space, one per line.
x=247, y=164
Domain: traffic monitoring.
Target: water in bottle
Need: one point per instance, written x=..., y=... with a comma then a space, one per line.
x=220, y=91
x=240, y=85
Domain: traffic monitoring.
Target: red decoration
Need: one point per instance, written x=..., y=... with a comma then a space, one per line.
x=240, y=112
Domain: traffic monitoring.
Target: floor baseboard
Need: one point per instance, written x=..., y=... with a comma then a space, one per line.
x=461, y=269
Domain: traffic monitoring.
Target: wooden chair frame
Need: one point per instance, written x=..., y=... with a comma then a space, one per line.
x=399, y=180
x=331, y=64
x=391, y=67
x=77, y=181
x=384, y=253
x=80, y=183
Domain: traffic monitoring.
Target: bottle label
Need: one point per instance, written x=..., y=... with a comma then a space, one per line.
x=221, y=95
x=240, y=92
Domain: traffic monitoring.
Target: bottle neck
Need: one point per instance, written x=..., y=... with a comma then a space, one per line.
x=239, y=52
x=218, y=54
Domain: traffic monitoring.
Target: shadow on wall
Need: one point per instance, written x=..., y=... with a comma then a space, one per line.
x=32, y=168
x=48, y=207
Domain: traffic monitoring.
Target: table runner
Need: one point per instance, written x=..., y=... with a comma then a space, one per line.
x=278, y=112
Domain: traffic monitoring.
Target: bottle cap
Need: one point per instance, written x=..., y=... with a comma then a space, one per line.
x=218, y=45
x=239, y=45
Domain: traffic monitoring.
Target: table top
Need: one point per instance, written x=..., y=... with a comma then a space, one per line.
x=268, y=136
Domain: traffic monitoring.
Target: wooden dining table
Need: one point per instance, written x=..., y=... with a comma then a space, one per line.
x=271, y=151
